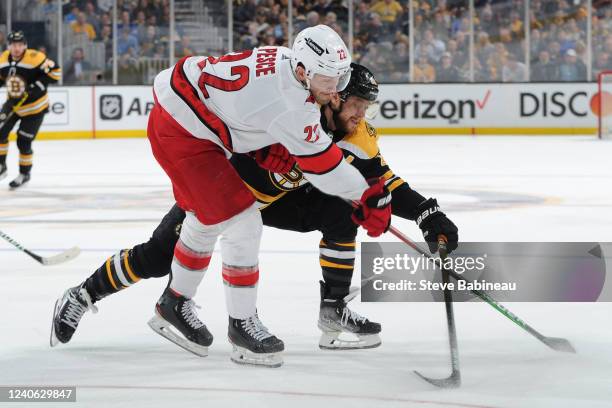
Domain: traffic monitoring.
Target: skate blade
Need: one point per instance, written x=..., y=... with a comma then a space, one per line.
x=166, y=330
x=331, y=341
x=53, y=340
x=241, y=355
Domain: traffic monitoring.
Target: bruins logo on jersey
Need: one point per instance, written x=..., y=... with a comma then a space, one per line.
x=15, y=86
x=288, y=181
x=371, y=130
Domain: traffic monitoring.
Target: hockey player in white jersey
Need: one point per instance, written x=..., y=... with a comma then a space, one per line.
x=207, y=108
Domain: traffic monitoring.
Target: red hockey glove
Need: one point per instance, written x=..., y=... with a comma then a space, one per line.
x=275, y=158
x=374, y=210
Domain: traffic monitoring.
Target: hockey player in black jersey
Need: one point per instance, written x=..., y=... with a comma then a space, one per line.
x=287, y=202
x=26, y=73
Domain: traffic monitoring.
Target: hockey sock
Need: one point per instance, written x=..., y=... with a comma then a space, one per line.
x=3, y=152
x=25, y=163
x=337, y=260
x=115, y=274
x=240, y=286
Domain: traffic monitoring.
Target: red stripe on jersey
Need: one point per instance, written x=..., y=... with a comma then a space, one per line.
x=183, y=88
x=190, y=259
x=241, y=276
x=322, y=162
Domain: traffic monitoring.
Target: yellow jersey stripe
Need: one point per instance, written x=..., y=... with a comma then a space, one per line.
x=328, y=264
x=131, y=274
x=110, y=275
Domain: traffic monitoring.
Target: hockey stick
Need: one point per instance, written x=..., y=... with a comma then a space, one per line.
x=555, y=343
x=454, y=380
x=13, y=109
x=65, y=256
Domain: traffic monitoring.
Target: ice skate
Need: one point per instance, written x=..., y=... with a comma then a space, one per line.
x=68, y=311
x=176, y=320
x=336, y=319
x=253, y=343
x=19, y=181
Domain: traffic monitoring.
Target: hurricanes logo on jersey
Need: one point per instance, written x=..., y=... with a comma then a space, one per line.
x=288, y=181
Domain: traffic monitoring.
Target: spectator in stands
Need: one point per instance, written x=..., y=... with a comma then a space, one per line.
x=77, y=68
x=126, y=42
x=2, y=41
x=92, y=16
x=459, y=56
x=126, y=23
x=71, y=17
x=423, y=70
x=544, y=70
x=430, y=46
x=141, y=25
x=81, y=26
x=446, y=71
x=602, y=63
x=388, y=10
x=400, y=62
x=514, y=70
x=128, y=70
x=554, y=51
x=184, y=49
x=106, y=38
x=572, y=69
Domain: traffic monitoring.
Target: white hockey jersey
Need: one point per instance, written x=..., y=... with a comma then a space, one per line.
x=248, y=100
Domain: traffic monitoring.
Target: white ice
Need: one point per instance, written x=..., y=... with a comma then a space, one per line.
x=104, y=195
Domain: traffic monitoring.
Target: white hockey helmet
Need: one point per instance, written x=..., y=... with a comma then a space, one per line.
x=321, y=51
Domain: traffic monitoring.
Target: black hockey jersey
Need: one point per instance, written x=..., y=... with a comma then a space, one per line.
x=27, y=79
x=360, y=148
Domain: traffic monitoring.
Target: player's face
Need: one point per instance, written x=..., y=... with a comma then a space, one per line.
x=17, y=49
x=323, y=88
x=353, y=111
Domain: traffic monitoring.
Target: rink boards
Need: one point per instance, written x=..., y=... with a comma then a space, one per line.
x=417, y=109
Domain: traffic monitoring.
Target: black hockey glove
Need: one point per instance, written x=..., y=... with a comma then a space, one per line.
x=434, y=223
x=36, y=90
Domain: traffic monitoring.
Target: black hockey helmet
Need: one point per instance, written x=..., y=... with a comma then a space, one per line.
x=362, y=84
x=16, y=36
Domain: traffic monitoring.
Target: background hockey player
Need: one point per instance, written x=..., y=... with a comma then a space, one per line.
x=26, y=74
x=287, y=202
x=208, y=108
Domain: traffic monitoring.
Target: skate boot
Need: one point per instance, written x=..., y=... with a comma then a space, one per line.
x=335, y=318
x=3, y=171
x=253, y=343
x=69, y=309
x=19, y=181
x=175, y=319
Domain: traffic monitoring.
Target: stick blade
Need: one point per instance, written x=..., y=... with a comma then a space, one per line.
x=65, y=256
x=453, y=381
x=559, y=344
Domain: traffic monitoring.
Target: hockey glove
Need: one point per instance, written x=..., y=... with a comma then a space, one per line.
x=275, y=158
x=36, y=90
x=434, y=223
x=374, y=210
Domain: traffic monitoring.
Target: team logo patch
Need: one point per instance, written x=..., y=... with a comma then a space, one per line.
x=288, y=181
x=371, y=130
x=15, y=86
x=111, y=107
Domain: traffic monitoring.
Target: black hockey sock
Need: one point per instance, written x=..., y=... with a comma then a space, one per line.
x=25, y=163
x=3, y=152
x=337, y=260
x=115, y=274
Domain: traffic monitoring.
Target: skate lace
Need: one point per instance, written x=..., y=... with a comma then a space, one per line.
x=255, y=328
x=75, y=309
x=349, y=314
x=188, y=312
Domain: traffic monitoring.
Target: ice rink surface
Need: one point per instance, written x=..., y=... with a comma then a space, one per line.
x=104, y=195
